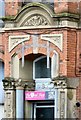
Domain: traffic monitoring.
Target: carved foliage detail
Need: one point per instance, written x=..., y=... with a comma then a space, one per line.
x=15, y=40
x=36, y=20
x=56, y=39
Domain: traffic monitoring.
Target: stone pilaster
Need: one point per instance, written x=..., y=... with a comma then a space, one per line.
x=9, y=95
x=66, y=88
x=14, y=96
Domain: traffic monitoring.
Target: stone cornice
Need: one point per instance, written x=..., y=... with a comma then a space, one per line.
x=66, y=15
x=60, y=15
x=62, y=82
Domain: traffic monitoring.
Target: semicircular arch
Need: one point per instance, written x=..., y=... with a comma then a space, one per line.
x=41, y=50
x=34, y=14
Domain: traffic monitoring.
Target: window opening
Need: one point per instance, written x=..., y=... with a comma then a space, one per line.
x=40, y=68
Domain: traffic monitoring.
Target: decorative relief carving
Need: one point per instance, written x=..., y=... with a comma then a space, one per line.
x=9, y=106
x=60, y=82
x=19, y=83
x=15, y=40
x=8, y=82
x=54, y=38
x=30, y=85
x=11, y=83
x=62, y=103
x=36, y=20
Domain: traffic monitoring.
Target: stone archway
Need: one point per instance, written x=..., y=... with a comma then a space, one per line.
x=49, y=45
x=35, y=14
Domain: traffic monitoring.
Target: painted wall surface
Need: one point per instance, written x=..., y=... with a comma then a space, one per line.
x=27, y=71
x=15, y=67
x=28, y=109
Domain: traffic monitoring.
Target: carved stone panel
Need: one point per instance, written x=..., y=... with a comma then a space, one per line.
x=56, y=39
x=36, y=20
x=62, y=104
x=15, y=40
x=9, y=106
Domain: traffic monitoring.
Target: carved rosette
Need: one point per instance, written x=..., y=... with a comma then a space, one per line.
x=36, y=20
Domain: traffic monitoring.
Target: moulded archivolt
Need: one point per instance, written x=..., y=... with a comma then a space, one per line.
x=15, y=40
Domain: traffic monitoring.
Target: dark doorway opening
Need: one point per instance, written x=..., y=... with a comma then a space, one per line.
x=45, y=113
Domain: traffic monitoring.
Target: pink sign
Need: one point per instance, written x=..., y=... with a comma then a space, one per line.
x=35, y=95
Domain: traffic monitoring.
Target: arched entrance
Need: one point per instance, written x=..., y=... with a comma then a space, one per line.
x=41, y=64
x=35, y=67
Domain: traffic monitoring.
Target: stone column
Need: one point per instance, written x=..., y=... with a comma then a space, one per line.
x=19, y=99
x=61, y=86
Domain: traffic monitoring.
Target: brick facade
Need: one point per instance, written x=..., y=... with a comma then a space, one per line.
x=12, y=8
x=71, y=7
x=69, y=58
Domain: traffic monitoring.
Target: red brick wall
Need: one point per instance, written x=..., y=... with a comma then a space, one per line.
x=78, y=96
x=67, y=56
x=71, y=52
x=62, y=6
x=78, y=69
x=12, y=7
x=70, y=57
x=78, y=59
x=6, y=55
x=1, y=47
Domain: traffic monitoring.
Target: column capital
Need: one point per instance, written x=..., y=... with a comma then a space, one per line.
x=60, y=82
x=9, y=83
x=19, y=84
x=65, y=82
